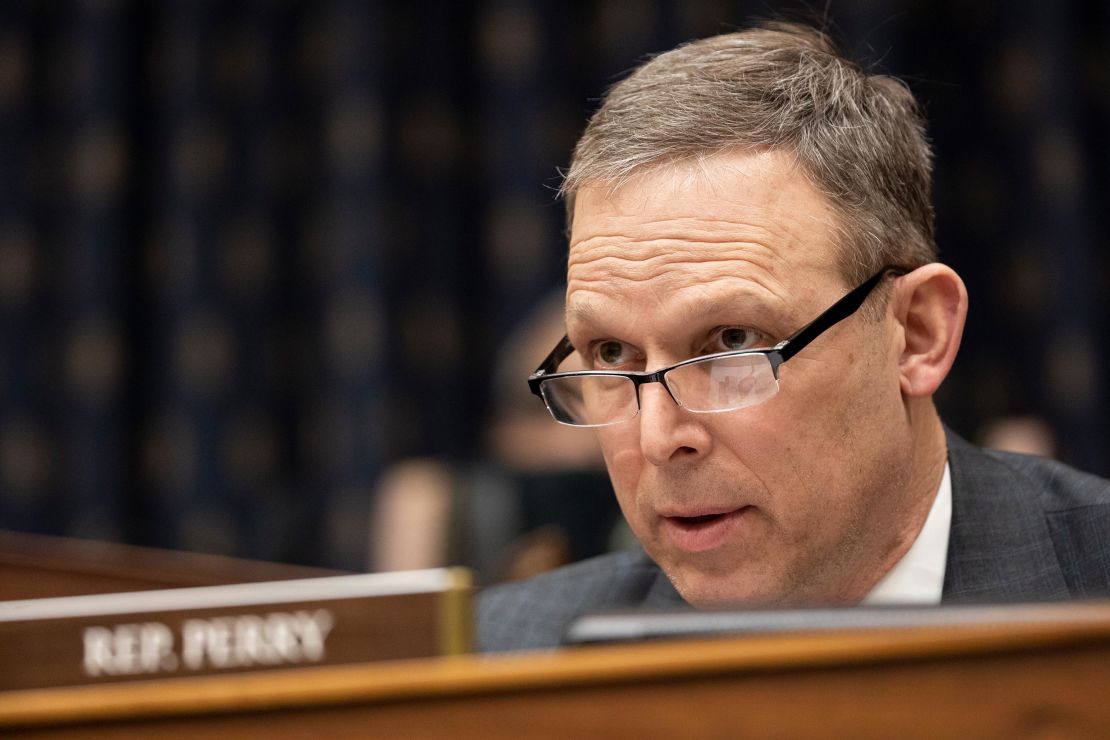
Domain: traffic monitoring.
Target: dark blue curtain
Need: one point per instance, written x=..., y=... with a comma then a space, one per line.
x=252, y=252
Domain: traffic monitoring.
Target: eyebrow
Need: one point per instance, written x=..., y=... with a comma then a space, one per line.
x=584, y=311
x=587, y=311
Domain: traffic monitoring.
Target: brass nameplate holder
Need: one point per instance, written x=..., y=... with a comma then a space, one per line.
x=217, y=629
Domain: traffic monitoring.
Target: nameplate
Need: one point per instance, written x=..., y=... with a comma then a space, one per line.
x=217, y=629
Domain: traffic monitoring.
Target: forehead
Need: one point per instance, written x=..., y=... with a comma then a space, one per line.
x=732, y=226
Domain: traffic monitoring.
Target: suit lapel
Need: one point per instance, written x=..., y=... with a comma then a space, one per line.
x=999, y=548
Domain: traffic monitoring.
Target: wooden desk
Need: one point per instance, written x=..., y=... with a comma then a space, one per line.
x=37, y=566
x=1013, y=681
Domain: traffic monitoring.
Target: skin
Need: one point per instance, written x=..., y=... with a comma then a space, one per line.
x=826, y=484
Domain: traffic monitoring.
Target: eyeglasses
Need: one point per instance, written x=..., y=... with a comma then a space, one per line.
x=724, y=381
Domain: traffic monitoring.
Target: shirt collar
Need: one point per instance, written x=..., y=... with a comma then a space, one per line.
x=918, y=578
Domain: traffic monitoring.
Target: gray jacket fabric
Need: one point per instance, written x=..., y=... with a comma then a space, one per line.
x=1023, y=529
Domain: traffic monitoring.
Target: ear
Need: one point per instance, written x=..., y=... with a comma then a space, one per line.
x=930, y=303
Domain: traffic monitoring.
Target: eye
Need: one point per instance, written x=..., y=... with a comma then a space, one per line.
x=611, y=352
x=732, y=338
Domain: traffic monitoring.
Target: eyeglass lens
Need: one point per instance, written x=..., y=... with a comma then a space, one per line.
x=718, y=384
x=723, y=384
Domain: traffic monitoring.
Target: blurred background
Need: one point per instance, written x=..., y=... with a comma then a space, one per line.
x=268, y=269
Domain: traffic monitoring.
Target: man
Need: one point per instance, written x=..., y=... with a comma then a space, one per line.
x=726, y=195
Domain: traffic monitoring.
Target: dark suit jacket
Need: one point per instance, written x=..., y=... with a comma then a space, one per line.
x=1023, y=529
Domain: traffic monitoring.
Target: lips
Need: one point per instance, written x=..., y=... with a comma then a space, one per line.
x=698, y=531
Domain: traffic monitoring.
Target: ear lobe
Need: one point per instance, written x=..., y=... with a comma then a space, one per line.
x=931, y=306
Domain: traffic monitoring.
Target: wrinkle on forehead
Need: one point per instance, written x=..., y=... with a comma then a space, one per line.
x=656, y=262
x=755, y=214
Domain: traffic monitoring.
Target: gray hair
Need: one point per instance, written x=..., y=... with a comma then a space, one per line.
x=858, y=137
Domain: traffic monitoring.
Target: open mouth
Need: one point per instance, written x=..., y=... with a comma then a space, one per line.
x=703, y=531
x=693, y=521
x=702, y=521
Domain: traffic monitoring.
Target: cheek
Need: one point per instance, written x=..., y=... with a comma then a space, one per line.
x=832, y=427
x=620, y=444
x=621, y=450
x=799, y=445
x=834, y=395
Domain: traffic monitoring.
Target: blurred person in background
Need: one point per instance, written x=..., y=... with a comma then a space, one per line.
x=1028, y=435
x=540, y=500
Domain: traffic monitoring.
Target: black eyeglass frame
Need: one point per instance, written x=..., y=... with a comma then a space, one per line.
x=776, y=355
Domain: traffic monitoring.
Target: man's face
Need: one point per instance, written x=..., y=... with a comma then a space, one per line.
x=786, y=502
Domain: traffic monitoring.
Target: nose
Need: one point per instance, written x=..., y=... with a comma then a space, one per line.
x=669, y=434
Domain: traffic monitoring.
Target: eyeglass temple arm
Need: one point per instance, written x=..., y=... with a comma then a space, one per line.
x=836, y=313
x=550, y=363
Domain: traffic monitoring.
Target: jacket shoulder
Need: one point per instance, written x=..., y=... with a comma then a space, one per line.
x=1077, y=511
x=533, y=614
x=1060, y=487
x=1035, y=501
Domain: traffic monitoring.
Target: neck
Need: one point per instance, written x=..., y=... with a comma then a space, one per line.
x=912, y=492
x=928, y=455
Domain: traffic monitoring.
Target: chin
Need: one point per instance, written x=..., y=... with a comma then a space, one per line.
x=714, y=591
